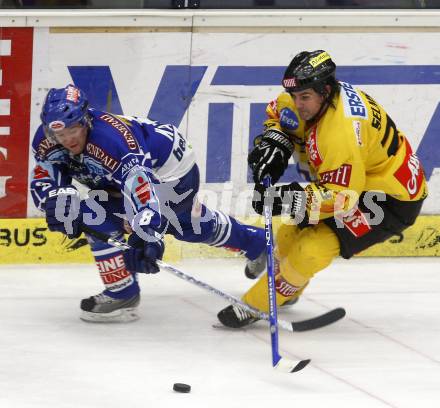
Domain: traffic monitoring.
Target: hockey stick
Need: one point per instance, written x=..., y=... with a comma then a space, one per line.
x=278, y=362
x=303, y=325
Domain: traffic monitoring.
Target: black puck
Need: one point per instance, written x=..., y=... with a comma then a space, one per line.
x=179, y=387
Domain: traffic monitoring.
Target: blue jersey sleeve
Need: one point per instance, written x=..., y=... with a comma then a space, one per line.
x=45, y=175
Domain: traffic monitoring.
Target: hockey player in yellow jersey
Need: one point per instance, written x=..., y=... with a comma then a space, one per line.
x=366, y=183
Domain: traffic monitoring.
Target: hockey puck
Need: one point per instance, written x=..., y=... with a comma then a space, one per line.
x=179, y=387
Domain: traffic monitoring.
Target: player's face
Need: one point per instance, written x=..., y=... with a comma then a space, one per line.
x=308, y=103
x=73, y=138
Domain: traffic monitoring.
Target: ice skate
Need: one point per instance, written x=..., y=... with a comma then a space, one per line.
x=235, y=317
x=256, y=267
x=105, y=309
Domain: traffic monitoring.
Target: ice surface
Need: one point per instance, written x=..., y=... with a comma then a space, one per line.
x=386, y=352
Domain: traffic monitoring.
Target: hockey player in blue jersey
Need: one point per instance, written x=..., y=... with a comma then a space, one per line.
x=143, y=179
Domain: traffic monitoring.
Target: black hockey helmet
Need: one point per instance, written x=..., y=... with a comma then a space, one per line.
x=309, y=69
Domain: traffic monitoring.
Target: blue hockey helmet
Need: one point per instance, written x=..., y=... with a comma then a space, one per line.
x=63, y=108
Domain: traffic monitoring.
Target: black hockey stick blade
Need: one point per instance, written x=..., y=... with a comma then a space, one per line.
x=301, y=365
x=319, y=321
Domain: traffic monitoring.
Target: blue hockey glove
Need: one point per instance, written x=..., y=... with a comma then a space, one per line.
x=143, y=255
x=63, y=213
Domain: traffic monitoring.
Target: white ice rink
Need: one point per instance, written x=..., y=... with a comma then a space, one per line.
x=385, y=353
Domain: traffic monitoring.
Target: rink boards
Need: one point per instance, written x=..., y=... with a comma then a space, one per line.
x=29, y=241
x=211, y=82
x=203, y=73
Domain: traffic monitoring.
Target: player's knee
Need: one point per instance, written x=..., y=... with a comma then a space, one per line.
x=313, y=250
x=285, y=239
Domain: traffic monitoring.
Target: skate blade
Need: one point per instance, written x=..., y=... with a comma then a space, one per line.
x=221, y=327
x=226, y=328
x=117, y=316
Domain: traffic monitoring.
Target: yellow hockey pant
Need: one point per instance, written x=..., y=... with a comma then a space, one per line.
x=299, y=254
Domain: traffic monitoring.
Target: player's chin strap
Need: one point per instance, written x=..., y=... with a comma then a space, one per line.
x=304, y=325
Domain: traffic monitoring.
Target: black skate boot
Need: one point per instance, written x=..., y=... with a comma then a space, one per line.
x=256, y=267
x=235, y=317
x=102, y=308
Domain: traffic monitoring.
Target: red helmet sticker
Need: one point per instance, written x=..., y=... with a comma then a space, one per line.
x=57, y=125
x=73, y=94
x=289, y=82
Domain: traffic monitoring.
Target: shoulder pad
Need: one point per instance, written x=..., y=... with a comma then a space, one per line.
x=119, y=126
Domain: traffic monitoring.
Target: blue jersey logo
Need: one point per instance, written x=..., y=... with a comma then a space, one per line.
x=288, y=119
x=353, y=104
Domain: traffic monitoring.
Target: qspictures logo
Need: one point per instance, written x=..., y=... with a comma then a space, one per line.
x=15, y=101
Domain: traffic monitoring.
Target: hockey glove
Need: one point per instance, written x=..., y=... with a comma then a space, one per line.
x=271, y=156
x=63, y=212
x=143, y=255
x=292, y=196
